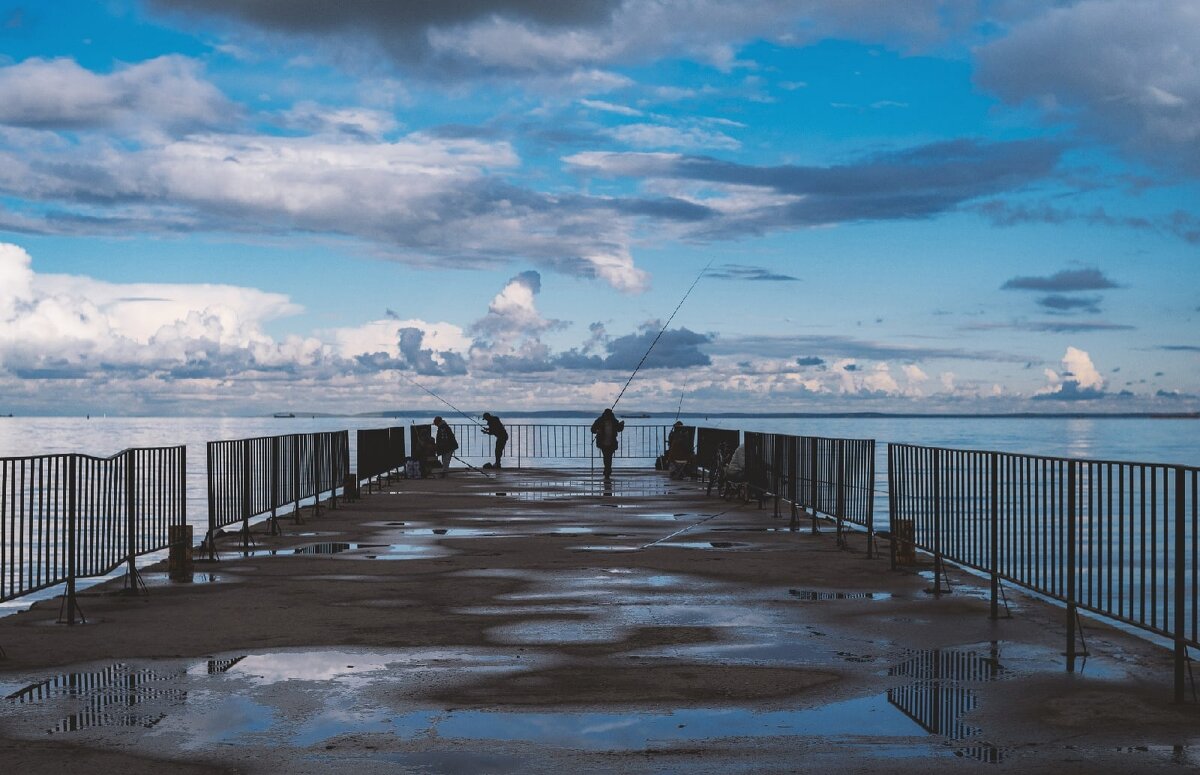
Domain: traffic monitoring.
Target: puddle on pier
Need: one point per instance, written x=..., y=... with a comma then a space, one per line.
x=702, y=544
x=812, y=595
x=350, y=551
x=304, y=699
x=156, y=579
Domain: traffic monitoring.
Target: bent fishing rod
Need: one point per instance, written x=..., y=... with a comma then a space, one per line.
x=660, y=333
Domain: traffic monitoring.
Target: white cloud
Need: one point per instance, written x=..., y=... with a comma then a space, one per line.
x=167, y=92
x=1125, y=71
x=69, y=323
x=659, y=136
x=1079, y=365
x=319, y=119
x=418, y=197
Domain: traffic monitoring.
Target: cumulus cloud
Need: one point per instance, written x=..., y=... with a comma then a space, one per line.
x=73, y=326
x=168, y=93
x=1079, y=380
x=508, y=337
x=1139, y=89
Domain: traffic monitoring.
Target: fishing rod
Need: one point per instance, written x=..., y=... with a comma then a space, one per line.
x=473, y=468
x=660, y=333
x=679, y=408
x=435, y=395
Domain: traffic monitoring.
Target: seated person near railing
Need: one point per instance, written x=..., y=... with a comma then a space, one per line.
x=679, y=451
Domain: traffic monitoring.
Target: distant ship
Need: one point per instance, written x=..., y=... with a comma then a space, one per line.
x=636, y=416
x=283, y=414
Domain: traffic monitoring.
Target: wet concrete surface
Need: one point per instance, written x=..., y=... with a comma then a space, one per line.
x=543, y=631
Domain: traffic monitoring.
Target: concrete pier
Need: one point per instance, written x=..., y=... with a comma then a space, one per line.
x=543, y=621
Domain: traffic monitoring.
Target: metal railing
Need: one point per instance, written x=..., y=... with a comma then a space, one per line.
x=248, y=478
x=380, y=452
x=830, y=477
x=67, y=517
x=1116, y=539
x=562, y=442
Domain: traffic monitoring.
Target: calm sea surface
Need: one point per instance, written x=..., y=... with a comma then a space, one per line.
x=1143, y=440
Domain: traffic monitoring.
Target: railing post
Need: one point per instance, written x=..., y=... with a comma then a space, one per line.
x=841, y=492
x=131, y=573
x=937, y=522
x=812, y=481
x=891, y=495
x=1071, y=603
x=994, y=531
x=245, y=493
x=275, y=494
x=295, y=437
x=316, y=472
x=870, y=480
x=69, y=602
x=210, y=540
x=335, y=455
x=1180, y=578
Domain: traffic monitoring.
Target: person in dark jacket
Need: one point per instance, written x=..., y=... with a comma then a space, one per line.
x=607, y=428
x=496, y=430
x=445, y=443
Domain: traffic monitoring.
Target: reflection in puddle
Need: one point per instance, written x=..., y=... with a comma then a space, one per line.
x=371, y=551
x=937, y=700
x=814, y=595
x=112, y=696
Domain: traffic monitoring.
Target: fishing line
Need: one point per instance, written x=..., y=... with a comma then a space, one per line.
x=660, y=333
x=693, y=525
x=435, y=395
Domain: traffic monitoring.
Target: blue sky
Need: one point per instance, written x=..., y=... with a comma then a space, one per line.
x=241, y=206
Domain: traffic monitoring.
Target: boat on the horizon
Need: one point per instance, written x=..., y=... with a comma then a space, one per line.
x=283, y=414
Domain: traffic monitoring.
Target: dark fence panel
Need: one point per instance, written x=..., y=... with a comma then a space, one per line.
x=66, y=517
x=1118, y=539
x=251, y=477
x=708, y=444
x=380, y=451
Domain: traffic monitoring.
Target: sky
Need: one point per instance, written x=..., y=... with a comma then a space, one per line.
x=224, y=207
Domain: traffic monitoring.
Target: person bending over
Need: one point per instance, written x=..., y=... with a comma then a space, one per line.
x=496, y=430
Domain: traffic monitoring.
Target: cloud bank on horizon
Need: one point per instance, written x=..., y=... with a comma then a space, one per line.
x=207, y=206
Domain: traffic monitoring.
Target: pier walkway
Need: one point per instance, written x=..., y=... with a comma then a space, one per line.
x=541, y=621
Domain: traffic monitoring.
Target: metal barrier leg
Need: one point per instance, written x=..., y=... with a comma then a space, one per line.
x=133, y=580
x=70, y=606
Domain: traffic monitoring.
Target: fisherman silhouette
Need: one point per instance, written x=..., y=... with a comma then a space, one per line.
x=607, y=428
x=445, y=443
x=496, y=430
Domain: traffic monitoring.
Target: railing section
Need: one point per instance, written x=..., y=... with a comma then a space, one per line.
x=67, y=517
x=562, y=442
x=1117, y=539
x=829, y=477
x=248, y=478
x=380, y=452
